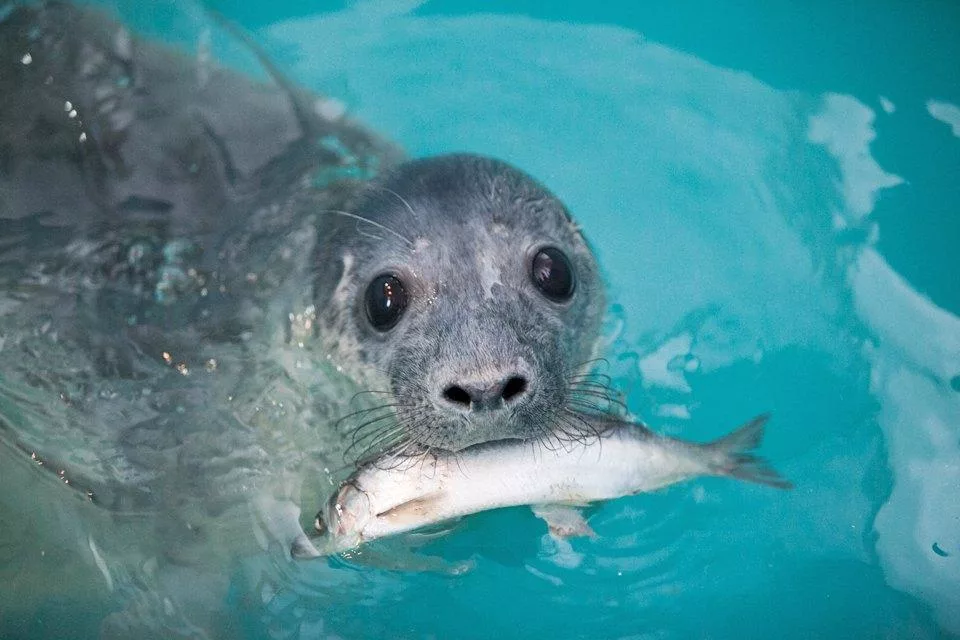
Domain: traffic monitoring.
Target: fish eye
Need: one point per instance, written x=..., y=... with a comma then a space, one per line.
x=319, y=524
x=552, y=273
x=385, y=301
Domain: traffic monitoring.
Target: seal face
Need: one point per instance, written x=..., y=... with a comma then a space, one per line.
x=466, y=300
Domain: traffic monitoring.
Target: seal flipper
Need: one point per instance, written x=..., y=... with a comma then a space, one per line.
x=564, y=521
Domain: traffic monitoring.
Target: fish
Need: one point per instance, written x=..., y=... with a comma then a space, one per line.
x=385, y=497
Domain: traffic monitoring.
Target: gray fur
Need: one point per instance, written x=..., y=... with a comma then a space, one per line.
x=461, y=231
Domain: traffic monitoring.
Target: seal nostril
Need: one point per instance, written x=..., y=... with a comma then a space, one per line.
x=457, y=395
x=515, y=386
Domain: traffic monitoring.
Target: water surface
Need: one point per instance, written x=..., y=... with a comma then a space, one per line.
x=773, y=198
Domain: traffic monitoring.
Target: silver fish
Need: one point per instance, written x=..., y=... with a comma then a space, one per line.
x=624, y=459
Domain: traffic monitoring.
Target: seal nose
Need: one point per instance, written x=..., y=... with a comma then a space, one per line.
x=477, y=395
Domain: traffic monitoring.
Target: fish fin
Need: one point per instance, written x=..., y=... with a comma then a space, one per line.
x=396, y=555
x=564, y=521
x=730, y=456
x=411, y=508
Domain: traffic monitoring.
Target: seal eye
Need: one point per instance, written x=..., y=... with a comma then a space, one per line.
x=385, y=301
x=552, y=273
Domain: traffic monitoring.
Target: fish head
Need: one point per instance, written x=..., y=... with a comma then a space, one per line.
x=347, y=512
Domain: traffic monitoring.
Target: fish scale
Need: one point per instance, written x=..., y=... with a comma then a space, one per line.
x=386, y=498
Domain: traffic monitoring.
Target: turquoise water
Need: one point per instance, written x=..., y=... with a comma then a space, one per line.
x=773, y=193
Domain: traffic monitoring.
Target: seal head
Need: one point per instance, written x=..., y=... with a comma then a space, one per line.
x=462, y=294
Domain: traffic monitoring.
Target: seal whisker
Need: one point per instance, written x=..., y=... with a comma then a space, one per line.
x=403, y=423
x=593, y=361
x=543, y=439
x=591, y=407
x=592, y=391
x=598, y=401
x=401, y=454
x=586, y=366
x=365, y=410
x=372, y=426
x=458, y=458
x=564, y=440
x=574, y=373
x=546, y=435
x=368, y=392
x=593, y=378
x=394, y=439
x=569, y=431
x=401, y=199
x=601, y=394
x=374, y=430
x=590, y=383
x=368, y=420
x=586, y=391
x=591, y=432
x=374, y=439
x=361, y=412
x=588, y=427
x=373, y=223
x=590, y=394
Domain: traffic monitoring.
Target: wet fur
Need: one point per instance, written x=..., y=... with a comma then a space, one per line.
x=460, y=231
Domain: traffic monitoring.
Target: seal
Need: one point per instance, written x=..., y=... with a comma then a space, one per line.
x=464, y=289
x=212, y=289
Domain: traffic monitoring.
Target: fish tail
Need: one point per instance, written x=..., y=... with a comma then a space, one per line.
x=730, y=456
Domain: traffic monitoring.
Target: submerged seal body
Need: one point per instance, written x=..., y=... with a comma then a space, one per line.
x=210, y=289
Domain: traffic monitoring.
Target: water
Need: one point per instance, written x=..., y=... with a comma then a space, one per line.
x=772, y=193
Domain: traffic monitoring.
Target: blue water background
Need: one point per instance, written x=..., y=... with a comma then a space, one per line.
x=773, y=192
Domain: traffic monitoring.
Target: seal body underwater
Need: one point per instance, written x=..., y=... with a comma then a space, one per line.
x=212, y=289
